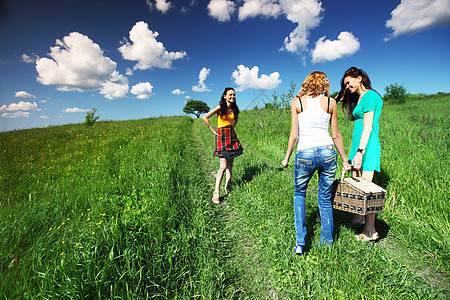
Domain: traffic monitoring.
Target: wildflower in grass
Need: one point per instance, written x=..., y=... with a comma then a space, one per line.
x=93, y=232
x=62, y=242
x=88, y=209
x=76, y=245
x=68, y=219
x=50, y=229
x=58, y=228
x=88, y=219
x=62, y=253
x=62, y=223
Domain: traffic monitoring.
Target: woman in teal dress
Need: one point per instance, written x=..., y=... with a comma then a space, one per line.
x=363, y=105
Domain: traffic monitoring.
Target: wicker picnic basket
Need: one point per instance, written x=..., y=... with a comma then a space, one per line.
x=358, y=195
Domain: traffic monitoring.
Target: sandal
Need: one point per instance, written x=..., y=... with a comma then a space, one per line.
x=364, y=238
x=216, y=198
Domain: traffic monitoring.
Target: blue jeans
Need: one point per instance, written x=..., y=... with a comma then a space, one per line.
x=307, y=162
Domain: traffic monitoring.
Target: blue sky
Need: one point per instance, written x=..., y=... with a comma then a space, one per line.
x=144, y=58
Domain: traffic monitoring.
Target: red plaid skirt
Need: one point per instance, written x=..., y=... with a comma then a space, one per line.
x=227, y=143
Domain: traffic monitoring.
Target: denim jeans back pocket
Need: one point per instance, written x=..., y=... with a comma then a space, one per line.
x=304, y=161
x=331, y=158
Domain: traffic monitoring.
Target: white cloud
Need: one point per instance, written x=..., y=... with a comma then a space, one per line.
x=23, y=94
x=187, y=97
x=129, y=72
x=117, y=87
x=412, y=16
x=254, y=8
x=29, y=59
x=78, y=64
x=142, y=90
x=221, y=9
x=178, y=92
x=18, y=114
x=75, y=110
x=146, y=50
x=161, y=5
x=248, y=79
x=306, y=14
x=327, y=50
x=45, y=117
x=201, y=86
x=21, y=106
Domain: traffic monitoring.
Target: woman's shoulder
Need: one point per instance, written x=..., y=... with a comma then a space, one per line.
x=372, y=94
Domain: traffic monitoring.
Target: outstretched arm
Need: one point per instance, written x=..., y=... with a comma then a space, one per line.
x=295, y=103
x=336, y=135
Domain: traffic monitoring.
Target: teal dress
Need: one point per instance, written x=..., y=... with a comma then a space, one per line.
x=370, y=101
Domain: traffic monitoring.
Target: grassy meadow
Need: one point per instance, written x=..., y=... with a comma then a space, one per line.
x=123, y=210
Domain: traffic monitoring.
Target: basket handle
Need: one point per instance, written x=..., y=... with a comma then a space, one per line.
x=355, y=178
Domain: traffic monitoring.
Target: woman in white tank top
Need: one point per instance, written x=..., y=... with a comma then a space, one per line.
x=311, y=114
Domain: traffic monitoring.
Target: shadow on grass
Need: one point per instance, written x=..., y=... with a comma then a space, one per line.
x=253, y=171
x=343, y=218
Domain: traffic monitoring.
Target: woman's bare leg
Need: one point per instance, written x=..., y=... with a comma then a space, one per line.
x=228, y=172
x=222, y=168
x=369, y=226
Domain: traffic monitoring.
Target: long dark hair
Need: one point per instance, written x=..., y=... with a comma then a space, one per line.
x=223, y=105
x=350, y=100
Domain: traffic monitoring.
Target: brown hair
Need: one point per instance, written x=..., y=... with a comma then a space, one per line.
x=350, y=100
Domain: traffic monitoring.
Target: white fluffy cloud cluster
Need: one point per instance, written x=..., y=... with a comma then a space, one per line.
x=21, y=106
x=146, y=50
x=20, y=109
x=142, y=90
x=412, y=16
x=247, y=79
x=327, y=50
x=78, y=64
x=306, y=14
x=201, y=86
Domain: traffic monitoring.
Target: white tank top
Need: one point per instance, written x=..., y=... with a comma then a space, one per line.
x=313, y=124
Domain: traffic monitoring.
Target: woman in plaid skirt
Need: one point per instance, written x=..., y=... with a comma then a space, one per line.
x=227, y=144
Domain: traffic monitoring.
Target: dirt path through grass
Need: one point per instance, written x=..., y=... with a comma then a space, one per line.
x=245, y=270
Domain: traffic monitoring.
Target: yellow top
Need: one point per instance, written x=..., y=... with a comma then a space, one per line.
x=225, y=120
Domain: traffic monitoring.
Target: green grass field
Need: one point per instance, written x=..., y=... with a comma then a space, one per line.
x=123, y=210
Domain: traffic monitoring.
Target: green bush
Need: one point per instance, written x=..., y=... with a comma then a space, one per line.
x=395, y=93
x=91, y=118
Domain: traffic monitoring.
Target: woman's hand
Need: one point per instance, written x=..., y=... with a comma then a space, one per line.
x=285, y=162
x=357, y=160
x=346, y=166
